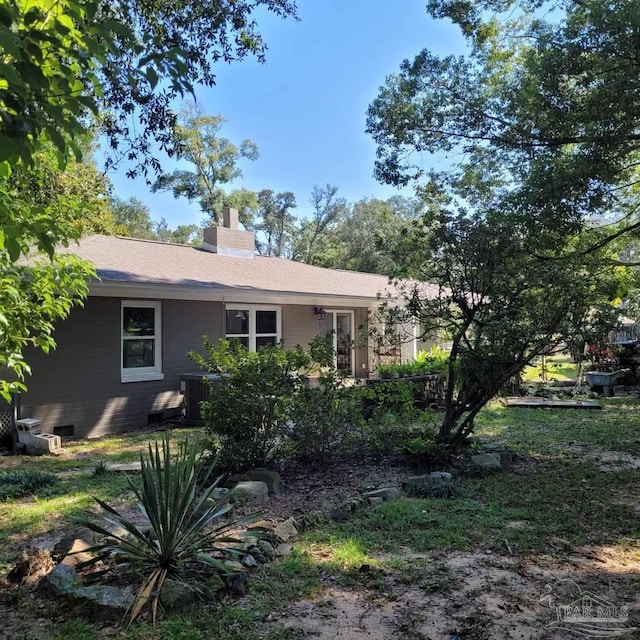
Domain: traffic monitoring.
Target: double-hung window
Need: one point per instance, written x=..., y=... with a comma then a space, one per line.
x=253, y=326
x=141, y=341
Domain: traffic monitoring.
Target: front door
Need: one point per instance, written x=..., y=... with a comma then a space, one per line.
x=342, y=328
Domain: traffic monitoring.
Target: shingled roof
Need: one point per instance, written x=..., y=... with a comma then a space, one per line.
x=128, y=260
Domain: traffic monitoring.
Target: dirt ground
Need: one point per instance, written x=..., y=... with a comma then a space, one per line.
x=484, y=597
x=468, y=596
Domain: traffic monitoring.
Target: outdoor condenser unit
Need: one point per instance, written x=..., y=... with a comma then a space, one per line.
x=196, y=387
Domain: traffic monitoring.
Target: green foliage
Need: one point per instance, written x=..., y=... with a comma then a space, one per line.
x=313, y=243
x=249, y=411
x=61, y=64
x=394, y=398
x=425, y=452
x=276, y=224
x=327, y=419
x=215, y=164
x=186, y=538
x=32, y=299
x=362, y=240
x=499, y=298
x=527, y=107
x=18, y=484
x=434, y=361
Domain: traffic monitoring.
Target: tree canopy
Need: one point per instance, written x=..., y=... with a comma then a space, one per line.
x=548, y=98
x=213, y=164
x=535, y=131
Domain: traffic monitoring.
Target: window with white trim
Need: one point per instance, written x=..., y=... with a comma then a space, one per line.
x=254, y=326
x=141, y=341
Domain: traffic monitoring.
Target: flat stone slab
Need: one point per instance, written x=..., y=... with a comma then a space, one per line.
x=124, y=467
x=545, y=403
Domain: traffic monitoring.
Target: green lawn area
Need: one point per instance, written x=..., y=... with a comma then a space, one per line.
x=557, y=499
x=558, y=367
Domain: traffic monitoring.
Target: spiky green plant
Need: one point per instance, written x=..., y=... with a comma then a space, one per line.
x=184, y=539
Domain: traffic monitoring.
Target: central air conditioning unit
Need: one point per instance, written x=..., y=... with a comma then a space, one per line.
x=196, y=387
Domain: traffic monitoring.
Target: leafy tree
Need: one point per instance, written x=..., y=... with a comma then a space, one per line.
x=32, y=298
x=132, y=218
x=314, y=242
x=177, y=46
x=76, y=197
x=534, y=100
x=539, y=153
x=500, y=302
x=368, y=232
x=182, y=234
x=276, y=225
x=215, y=164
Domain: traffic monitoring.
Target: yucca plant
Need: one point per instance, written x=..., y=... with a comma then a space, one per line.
x=184, y=538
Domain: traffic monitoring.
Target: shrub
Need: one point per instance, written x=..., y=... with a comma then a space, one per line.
x=327, y=419
x=425, y=453
x=18, y=484
x=249, y=411
x=185, y=539
x=434, y=361
x=395, y=398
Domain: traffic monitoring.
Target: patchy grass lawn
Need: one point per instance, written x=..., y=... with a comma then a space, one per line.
x=558, y=367
x=48, y=511
x=475, y=565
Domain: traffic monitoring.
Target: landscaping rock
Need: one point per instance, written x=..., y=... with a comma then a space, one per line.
x=63, y=582
x=62, y=579
x=249, y=541
x=487, y=462
x=235, y=478
x=261, y=525
x=376, y=500
x=268, y=476
x=32, y=566
x=77, y=554
x=437, y=484
x=258, y=556
x=386, y=493
x=284, y=549
x=445, y=476
x=124, y=467
x=238, y=584
x=176, y=595
x=234, y=565
x=66, y=544
x=267, y=549
x=250, y=491
x=506, y=459
x=286, y=530
x=220, y=493
x=249, y=561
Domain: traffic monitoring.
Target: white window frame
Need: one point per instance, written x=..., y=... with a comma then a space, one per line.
x=334, y=322
x=141, y=374
x=252, y=335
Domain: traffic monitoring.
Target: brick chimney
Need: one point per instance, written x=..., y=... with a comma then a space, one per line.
x=227, y=239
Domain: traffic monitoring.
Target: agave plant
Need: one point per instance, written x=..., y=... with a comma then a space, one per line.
x=184, y=536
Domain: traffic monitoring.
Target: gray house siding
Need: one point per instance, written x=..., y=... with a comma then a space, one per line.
x=300, y=326
x=78, y=388
x=79, y=383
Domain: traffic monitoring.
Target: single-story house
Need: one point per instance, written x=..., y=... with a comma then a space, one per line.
x=119, y=358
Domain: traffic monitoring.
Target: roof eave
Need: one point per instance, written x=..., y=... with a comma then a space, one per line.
x=172, y=291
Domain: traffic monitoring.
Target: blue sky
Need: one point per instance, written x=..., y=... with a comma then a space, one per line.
x=305, y=107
